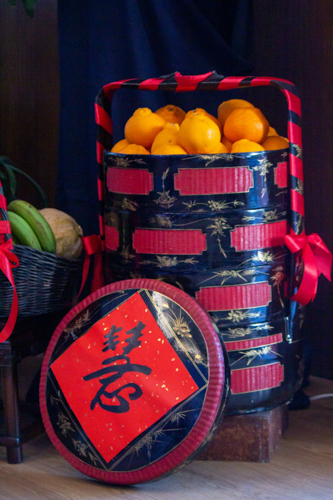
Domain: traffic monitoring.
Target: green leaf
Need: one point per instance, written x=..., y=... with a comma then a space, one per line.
x=10, y=183
x=29, y=6
x=12, y=3
x=9, y=179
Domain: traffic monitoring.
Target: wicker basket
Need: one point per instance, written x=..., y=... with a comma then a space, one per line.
x=215, y=226
x=44, y=283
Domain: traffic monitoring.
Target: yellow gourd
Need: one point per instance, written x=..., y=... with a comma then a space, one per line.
x=67, y=233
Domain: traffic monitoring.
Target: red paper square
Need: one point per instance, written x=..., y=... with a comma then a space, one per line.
x=159, y=373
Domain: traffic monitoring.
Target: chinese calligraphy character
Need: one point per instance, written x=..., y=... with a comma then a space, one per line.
x=111, y=337
x=116, y=370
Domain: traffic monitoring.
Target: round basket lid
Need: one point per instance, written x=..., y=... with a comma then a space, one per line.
x=134, y=382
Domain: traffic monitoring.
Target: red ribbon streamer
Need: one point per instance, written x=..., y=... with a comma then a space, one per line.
x=8, y=260
x=317, y=260
x=92, y=246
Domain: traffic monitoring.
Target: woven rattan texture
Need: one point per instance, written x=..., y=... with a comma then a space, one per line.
x=44, y=283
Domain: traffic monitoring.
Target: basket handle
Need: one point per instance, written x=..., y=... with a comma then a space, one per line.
x=8, y=260
x=211, y=81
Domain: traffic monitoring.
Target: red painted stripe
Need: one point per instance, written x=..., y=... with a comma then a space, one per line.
x=230, y=82
x=241, y=345
x=258, y=378
x=188, y=83
x=297, y=202
x=100, y=153
x=296, y=166
x=111, y=87
x=129, y=180
x=258, y=236
x=103, y=119
x=294, y=103
x=100, y=190
x=266, y=80
x=111, y=238
x=169, y=241
x=281, y=174
x=294, y=133
x=3, y=202
x=151, y=84
x=225, y=298
x=208, y=181
x=261, y=81
x=102, y=230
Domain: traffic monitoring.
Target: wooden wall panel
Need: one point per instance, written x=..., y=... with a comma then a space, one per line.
x=29, y=93
x=294, y=40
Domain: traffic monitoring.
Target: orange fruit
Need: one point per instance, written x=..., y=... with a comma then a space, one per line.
x=271, y=131
x=227, y=143
x=201, y=111
x=119, y=146
x=246, y=146
x=142, y=127
x=134, y=149
x=168, y=135
x=171, y=113
x=226, y=107
x=198, y=134
x=170, y=149
x=246, y=123
x=275, y=142
x=221, y=148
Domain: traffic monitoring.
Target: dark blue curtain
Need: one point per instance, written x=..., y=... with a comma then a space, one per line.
x=107, y=40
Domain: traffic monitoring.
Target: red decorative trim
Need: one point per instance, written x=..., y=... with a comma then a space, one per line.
x=241, y=345
x=129, y=180
x=4, y=227
x=8, y=261
x=261, y=81
x=3, y=202
x=208, y=181
x=258, y=236
x=101, y=230
x=281, y=174
x=103, y=119
x=187, y=83
x=258, y=378
x=297, y=201
x=230, y=82
x=111, y=238
x=100, y=190
x=111, y=87
x=100, y=153
x=294, y=103
x=225, y=298
x=151, y=84
x=296, y=166
x=169, y=241
x=295, y=133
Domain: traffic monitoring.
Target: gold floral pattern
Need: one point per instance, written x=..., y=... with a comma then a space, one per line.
x=166, y=261
x=227, y=274
x=252, y=354
x=263, y=169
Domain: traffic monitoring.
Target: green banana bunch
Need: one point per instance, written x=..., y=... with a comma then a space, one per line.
x=30, y=227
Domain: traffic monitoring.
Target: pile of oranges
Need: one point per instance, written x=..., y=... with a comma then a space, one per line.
x=239, y=127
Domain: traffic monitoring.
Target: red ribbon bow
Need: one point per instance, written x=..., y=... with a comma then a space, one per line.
x=317, y=260
x=8, y=260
